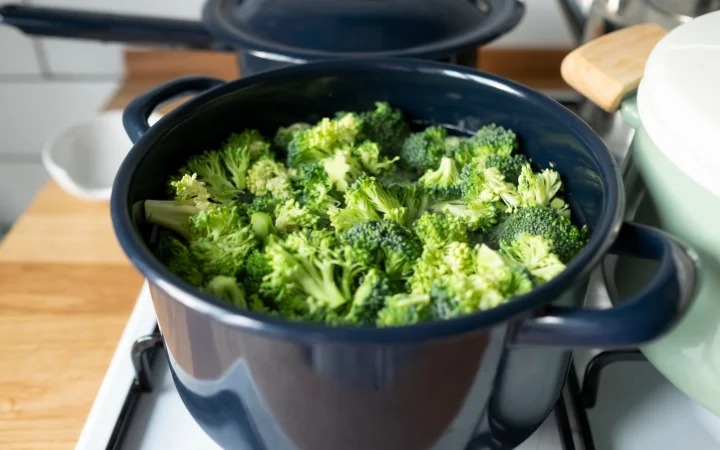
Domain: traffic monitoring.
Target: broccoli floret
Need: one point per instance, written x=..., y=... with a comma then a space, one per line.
x=534, y=252
x=265, y=204
x=386, y=126
x=487, y=185
x=342, y=169
x=190, y=190
x=443, y=182
x=227, y=289
x=368, y=199
x=256, y=267
x=312, y=264
x=371, y=159
x=369, y=298
x=510, y=278
x=508, y=165
x=475, y=215
x=290, y=216
x=269, y=177
x=538, y=189
x=257, y=146
x=171, y=214
x=404, y=309
x=317, y=189
x=262, y=225
x=424, y=150
x=226, y=254
x=321, y=141
x=177, y=258
x=459, y=295
x=389, y=245
x=435, y=262
x=489, y=140
x=285, y=135
x=209, y=167
x=215, y=223
x=566, y=239
x=438, y=230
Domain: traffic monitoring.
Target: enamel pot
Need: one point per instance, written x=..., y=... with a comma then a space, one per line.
x=666, y=86
x=489, y=379
x=270, y=34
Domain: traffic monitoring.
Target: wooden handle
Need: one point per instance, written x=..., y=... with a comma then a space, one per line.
x=608, y=68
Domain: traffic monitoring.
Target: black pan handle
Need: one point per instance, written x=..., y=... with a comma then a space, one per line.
x=67, y=23
x=644, y=317
x=137, y=112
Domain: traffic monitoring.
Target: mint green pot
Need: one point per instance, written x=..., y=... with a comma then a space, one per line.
x=689, y=355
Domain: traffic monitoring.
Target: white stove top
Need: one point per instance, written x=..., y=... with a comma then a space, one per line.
x=637, y=408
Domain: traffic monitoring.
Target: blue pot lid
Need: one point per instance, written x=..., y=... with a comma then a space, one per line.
x=304, y=30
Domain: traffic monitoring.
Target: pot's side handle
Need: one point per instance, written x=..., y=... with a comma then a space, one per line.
x=610, y=67
x=644, y=317
x=137, y=112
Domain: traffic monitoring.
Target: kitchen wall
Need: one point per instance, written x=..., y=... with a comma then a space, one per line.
x=46, y=84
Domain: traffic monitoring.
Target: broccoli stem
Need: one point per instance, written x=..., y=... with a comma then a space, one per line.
x=228, y=289
x=170, y=214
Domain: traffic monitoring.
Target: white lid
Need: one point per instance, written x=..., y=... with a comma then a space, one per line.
x=679, y=98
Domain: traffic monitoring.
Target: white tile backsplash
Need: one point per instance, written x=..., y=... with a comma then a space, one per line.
x=31, y=112
x=17, y=55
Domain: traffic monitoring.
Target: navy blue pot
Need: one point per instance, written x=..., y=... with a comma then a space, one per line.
x=270, y=34
x=482, y=381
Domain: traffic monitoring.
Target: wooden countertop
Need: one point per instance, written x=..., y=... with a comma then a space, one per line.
x=66, y=288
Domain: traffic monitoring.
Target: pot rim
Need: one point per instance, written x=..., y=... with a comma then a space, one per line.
x=160, y=277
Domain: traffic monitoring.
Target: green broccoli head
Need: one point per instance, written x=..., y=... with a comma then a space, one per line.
x=388, y=244
x=310, y=265
x=257, y=266
x=269, y=177
x=176, y=256
x=171, y=214
x=508, y=165
x=342, y=168
x=489, y=140
x=443, y=182
x=404, y=309
x=226, y=254
x=371, y=159
x=213, y=224
x=291, y=216
x=475, y=215
x=534, y=252
x=424, y=150
x=265, y=204
x=367, y=199
x=322, y=140
x=227, y=289
x=539, y=189
x=438, y=230
x=191, y=191
x=317, y=189
x=368, y=298
x=386, y=126
x=209, y=168
x=285, y=135
x=487, y=185
x=436, y=262
x=252, y=140
x=566, y=239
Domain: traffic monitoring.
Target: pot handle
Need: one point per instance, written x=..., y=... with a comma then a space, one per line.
x=109, y=27
x=137, y=112
x=645, y=316
x=610, y=67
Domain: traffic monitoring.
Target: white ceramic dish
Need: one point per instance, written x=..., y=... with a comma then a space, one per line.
x=84, y=157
